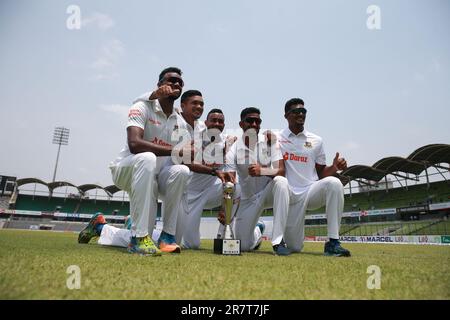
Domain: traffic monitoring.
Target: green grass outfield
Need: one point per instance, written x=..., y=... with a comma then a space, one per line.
x=34, y=263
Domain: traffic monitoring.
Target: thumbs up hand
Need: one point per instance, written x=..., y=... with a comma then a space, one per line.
x=339, y=163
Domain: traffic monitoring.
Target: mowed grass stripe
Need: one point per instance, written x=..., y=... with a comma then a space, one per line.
x=34, y=265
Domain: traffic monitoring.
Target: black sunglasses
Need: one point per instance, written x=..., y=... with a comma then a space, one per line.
x=174, y=80
x=297, y=111
x=251, y=120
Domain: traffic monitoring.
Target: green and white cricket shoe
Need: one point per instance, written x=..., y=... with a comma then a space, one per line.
x=144, y=246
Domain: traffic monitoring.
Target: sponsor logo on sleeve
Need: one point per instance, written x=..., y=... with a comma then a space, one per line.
x=134, y=113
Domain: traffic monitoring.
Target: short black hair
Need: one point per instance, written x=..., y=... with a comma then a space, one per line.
x=215, y=110
x=190, y=93
x=169, y=70
x=249, y=110
x=292, y=102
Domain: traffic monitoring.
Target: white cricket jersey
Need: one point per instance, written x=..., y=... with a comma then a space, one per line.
x=214, y=151
x=200, y=180
x=301, y=153
x=149, y=116
x=239, y=157
x=198, y=124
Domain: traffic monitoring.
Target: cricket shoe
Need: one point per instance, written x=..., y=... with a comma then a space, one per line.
x=281, y=249
x=167, y=243
x=333, y=248
x=144, y=246
x=89, y=231
x=262, y=226
x=128, y=222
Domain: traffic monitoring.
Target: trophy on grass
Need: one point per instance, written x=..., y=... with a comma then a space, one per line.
x=228, y=245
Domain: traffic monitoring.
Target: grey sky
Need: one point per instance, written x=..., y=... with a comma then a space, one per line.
x=369, y=93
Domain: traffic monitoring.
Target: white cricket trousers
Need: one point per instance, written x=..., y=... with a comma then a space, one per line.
x=188, y=228
x=117, y=237
x=208, y=196
x=275, y=195
x=328, y=191
x=143, y=176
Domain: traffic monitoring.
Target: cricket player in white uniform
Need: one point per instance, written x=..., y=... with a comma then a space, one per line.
x=261, y=175
x=110, y=235
x=143, y=168
x=204, y=190
x=205, y=185
x=311, y=182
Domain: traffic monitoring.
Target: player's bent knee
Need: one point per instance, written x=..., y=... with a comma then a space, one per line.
x=182, y=171
x=146, y=159
x=280, y=181
x=334, y=184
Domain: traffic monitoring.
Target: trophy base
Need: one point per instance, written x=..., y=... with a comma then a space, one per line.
x=227, y=246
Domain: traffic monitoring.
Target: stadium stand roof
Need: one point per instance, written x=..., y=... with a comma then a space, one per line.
x=23, y=181
x=432, y=154
x=87, y=187
x=59, y=184
x=112, y=189
x=393, y=164
x=415, y=163
x=365, y=172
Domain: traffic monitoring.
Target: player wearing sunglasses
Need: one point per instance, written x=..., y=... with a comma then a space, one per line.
x=311, y=181
x=260, y=169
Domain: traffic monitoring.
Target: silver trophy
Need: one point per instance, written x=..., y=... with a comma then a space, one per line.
x=228, y=245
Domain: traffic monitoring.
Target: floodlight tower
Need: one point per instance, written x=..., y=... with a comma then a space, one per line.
x=60, y=137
